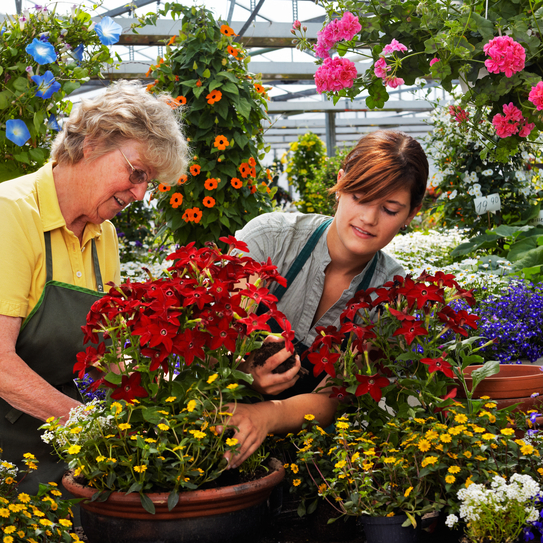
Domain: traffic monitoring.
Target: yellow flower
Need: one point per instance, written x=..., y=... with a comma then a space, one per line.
x=355, y=457
x=297, y=482
x=191, y=406
x=309, y=417
x=10, y=529
x=65, y=522
x=446, y=438
x=431, y=435
x=117, y=407
x=461, y=418
x=197, y=434
x=212, y=378
x=391, y=514
x=456, y=430
x=507, y=431
x=231, y=441
x=480, y=458
x=420, y=421
x=490, y=405
x=478, y=429
x=171, y=398
x=454, y=469
x=322, y=488
x=8, y=539
x=450, y=479
x=424, y=445
x=469, y=481
x=5, y=512
x=125, y=426
x=45, y=522
x=100, y=458
x=150, y=440
x=76, y=430
x=341, y=464
x=342, y=425
x=163, y=427
x=389, y=460
x=407, y=492
x=232, y=386
x=367, y=466
x=23, y=497
x=74, y=449
x=467, y=454
x=428, y=461
x=29, y=456
x=140, y=469
x=488, y=436
x=294, y=468
x=527, y=449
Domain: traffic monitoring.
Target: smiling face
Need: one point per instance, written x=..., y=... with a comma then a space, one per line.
x=111, y=190
x=361, y=229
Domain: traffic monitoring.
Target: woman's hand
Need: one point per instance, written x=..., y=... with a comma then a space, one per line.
x=267, y=382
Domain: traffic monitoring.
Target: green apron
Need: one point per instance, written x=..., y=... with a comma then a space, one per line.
x=48, y=342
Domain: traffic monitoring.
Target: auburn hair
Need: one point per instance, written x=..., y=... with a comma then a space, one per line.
x=383, y=162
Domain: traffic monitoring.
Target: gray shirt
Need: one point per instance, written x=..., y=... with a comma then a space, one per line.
x=282, y=236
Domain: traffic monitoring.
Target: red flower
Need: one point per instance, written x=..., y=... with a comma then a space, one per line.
x=222, y=335
x=422, y=293
x=130, y=388
x=410, y=330
x=445, y=280
x=233, y=243
x=324, y=360
x=339, y=392
x=371, y=384
x=401, y=316
x=256, y=322
x=85, y=359
x=257, y=294
x=189, y=345
x=439, y=364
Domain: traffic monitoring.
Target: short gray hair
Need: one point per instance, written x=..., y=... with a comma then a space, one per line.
x=126, y=111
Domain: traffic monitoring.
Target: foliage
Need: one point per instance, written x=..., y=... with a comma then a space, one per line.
x=171, y=369
x=322, y=178
x=408, y=39
x=135, y=228
x=410, y=465
x=498, y=513
x=463, y=176
x=308, y=152
x=225, y=105
x=36, y=519
x=75, y=54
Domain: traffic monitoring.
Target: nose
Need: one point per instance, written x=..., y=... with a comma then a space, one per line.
x=138, y=191
x=369, y=214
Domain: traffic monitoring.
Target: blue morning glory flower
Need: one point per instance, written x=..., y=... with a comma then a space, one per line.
x=42, y=52
x=78, y=52
x=108, y=31
x=47, y=85
x=17, y=132
x=52, y=123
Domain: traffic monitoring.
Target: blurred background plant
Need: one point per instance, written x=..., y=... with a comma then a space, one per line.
x=222, y=105
x=44, y=56
x=308, y=152
x=454, y=147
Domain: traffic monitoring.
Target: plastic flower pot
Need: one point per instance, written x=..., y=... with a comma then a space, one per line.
x=226, y=514
x=389, y=530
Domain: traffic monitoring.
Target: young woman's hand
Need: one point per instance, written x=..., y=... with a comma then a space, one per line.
x=267, y=382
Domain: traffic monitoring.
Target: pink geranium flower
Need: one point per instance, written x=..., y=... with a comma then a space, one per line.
x=339, y=29
x=536, y=96
x=349, y=26
x=506, y=56
x=460, y=115
x=394, y=82
x=335, y=74
x=297, y=25
x=381, y=68
x=511, y=122
x=394, y=45
x=434, y=60
x=526, y=129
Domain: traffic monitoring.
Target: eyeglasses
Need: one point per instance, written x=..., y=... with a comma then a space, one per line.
x=137, y=177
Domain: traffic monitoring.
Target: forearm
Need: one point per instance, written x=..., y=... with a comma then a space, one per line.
x=26, y=391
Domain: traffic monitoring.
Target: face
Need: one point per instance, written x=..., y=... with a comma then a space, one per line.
x=362, y=229
x=111, y=190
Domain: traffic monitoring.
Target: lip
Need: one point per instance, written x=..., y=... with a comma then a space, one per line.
x=361, y=233
x=120, y=203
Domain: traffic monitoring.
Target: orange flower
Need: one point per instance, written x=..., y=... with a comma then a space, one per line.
x=181, y=100
x=221, y=143
x=174, y=103
x=148, y=73
x=177, y=78
x=187, y=216
x=182, y=180
x=253, y=189
x=163, y=188
x=244, y=169
x=197, y=214
x=211, y=183
x=149, y=87
x=198, y=83
x=176, y=200
x=236, y=183
x=195, y=169
x=214, y=96
x=253, y=172
x=227, y=31
x=233, y=51
x=208, y=201
x=172, y=39
x=260, y=89
x=252, y=162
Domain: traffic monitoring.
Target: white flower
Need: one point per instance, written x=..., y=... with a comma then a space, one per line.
x=453, y=194
x=474, y=176
x=486, y=173
x=520, y=175
x=451, y=520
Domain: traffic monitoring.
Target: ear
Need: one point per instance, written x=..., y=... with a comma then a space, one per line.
x=340, y=175
x=412, y=214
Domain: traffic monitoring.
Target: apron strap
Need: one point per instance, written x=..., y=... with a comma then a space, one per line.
x=366, y=280
x=49, y=262
x=301, y=259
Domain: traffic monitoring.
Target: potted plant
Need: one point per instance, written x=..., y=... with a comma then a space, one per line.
x=493, y=48
x=44, y=56
x=174, y=344
x=41, y=517
x=222, y=105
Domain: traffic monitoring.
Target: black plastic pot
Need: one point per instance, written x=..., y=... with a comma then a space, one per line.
x=389, y=530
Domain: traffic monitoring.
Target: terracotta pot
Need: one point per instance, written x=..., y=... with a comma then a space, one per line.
x=515, y=383
x=230, y=513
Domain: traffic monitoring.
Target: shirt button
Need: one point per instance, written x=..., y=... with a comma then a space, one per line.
x=79, y=274
x=83, y=248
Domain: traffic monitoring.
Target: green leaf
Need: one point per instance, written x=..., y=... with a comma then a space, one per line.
x=70, y=86
x=152, y=416
x=22, y=157
x=530, y=259
x=228, y=75
x=241, y=139
x=230, y=87
x=114, y=378
x=173, y=499
x=38, y=155
x=198, y=91
x=4, y=100
x=136, y=487
x=21, y=84
x=147, y=504
x=206, y=73
x=215, y=84
x=244, y=107
x=484, y=26
x=492, y=367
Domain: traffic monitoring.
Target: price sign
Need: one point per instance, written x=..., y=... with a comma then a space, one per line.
x=538, y=220
x=487, y=203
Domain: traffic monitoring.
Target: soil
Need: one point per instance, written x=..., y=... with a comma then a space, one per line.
x=269, y=349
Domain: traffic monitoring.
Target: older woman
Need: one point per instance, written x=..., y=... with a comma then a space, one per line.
x=59, y=251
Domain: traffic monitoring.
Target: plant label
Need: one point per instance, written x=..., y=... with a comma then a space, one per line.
x=491, y=202
x=537, y=220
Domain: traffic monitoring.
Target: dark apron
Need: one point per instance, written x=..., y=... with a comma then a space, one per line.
x=309, y=382
x=48, y=342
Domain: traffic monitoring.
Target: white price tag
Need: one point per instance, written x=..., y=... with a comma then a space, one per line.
x=487, y=203
x=538, y=220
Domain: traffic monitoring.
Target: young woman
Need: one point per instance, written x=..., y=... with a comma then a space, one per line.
x=326, y=261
